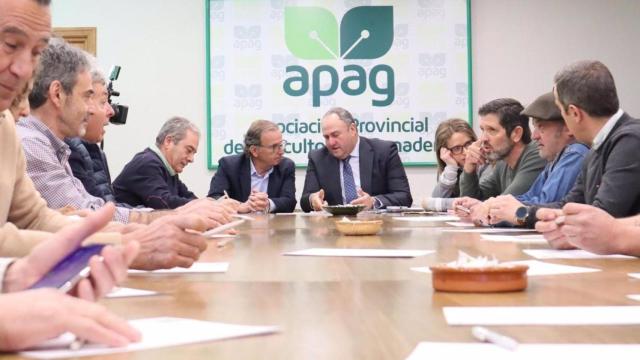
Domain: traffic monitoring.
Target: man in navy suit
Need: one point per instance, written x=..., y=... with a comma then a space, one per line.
x=261, y=178
x=352, y=169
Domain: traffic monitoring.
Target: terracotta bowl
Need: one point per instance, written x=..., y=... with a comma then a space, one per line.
x=479, y=280
x=359, y=227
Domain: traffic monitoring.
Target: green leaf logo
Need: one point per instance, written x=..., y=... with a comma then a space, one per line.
x=311, y=33
x=366, y=32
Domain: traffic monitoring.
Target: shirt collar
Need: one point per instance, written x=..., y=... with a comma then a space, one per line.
x=156, y=150
x=32, y=122
x=254, y=172
x=355, y=153
x=601, y=136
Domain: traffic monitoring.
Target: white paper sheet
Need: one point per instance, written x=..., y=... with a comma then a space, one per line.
x=124, y=292
x=199, y=267
x=634, y=275
x=488, y=230
x=524, y=239
x=570, y=254
x=156, y=333
x=432, y=350
x=460, y=224
x=536, y=268
x=426, y=219
x=360, y=252
x=542, y=315
x=635, y=297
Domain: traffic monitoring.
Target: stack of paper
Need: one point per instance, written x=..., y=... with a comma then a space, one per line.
x=570, y=254
x=156, y=333
x=542, y=315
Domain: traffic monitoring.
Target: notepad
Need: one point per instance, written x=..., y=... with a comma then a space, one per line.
x=537, y=268
x=199, y=267
x=570, y=254
x=389, y=253
x=542, y=315
x=426, y=219
x=525, y=239
x=156, y=333
x=488, y=230
x=452, y=350
x=124, y=292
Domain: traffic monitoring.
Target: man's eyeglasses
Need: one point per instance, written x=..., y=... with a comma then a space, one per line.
x=275, y=147
x=459, y=149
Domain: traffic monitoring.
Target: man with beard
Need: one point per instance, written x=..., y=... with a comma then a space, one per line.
x=261, y=178
x=506, y=139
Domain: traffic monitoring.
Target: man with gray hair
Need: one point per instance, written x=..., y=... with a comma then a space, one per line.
x=151, y=178
x=369, y=170
x=61, y=101
x=261, y=178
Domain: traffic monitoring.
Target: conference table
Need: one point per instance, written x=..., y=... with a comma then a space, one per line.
x=359, y=308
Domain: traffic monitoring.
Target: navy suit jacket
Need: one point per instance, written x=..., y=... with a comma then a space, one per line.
x=381, y=175
x=234, y=176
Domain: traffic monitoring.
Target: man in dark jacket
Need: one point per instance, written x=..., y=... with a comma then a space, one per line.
x=151, y=177
x=87, y=160
x=261, y=178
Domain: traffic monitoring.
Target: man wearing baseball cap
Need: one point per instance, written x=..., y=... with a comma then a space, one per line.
x=558, y=146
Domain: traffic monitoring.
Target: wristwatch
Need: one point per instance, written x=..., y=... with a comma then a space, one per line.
x=522, y=213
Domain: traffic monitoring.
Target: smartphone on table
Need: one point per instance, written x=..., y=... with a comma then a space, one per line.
x=70, y=270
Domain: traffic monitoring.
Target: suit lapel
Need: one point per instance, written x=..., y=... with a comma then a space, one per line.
x=274, y=180
x=245, y=177
x=333, y=179
x=366, y=165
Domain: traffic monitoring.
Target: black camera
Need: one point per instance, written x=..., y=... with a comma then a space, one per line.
x=119, y=111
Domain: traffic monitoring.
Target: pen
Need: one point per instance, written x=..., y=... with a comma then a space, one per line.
x=463, y=209
x=226, y=195
x=559, y=220
x=486, y=335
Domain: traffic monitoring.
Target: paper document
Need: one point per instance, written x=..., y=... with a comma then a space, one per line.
x=536, y=268
x=460, y=224
x=124, y=292
x=525, y=239
x=542, y=315
x=489, y=230
x=361, y=252
x=156, y=333
x=427, y=219
x=451, y=350
x=199, y=267
x=570, y=254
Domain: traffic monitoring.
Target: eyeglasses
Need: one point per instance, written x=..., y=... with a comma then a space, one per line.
x=459, y=149
x=275, y=147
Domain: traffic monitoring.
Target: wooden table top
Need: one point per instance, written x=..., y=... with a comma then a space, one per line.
x=359, y=308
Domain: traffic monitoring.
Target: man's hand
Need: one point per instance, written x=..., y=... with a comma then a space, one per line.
x=466, y=203
x=165, y=243
x=548, y=225
x=105, y=274
x=218, y=212
x=480, y=214
x=31, y=317
x=259, y=201
x=590, y=228
x=364, y=199
x=475, y=157
x=316, y=200
x=447, y=157
x=503, y=208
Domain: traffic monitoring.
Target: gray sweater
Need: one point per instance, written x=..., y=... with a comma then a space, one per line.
x=504, y=180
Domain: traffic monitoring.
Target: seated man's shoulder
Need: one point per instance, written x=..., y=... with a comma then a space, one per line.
x=231, y=160
x=380, y=144
x=577, y=148
x=286, y=163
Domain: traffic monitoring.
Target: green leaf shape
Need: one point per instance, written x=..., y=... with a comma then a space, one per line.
x=306, y=27
x=374, y=21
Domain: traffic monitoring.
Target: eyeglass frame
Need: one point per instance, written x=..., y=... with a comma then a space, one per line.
x=274, y=147
x=459, y=149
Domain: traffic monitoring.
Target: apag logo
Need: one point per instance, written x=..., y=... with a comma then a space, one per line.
x=365, y=32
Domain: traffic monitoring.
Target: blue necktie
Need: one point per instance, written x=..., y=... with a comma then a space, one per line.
x=349, y=185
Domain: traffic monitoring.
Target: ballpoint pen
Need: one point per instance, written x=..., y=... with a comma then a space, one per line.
x=226, y=195
x=486, y=335
x=77, y=344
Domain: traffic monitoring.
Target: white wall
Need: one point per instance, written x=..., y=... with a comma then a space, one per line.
x=518, y=45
